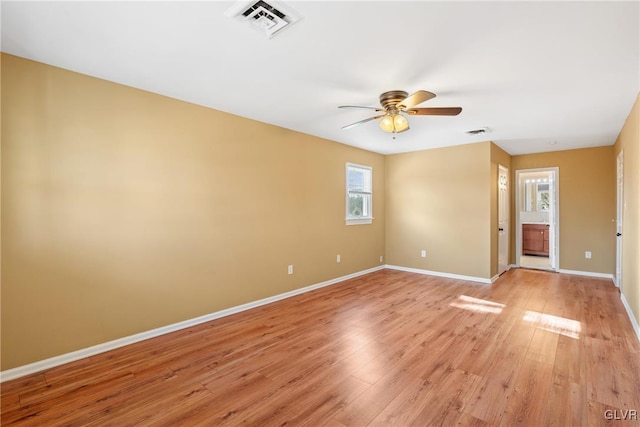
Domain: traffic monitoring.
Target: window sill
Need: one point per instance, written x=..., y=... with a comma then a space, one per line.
x=358, y=221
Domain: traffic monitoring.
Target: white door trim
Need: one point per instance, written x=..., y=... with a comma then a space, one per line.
x=554, y=220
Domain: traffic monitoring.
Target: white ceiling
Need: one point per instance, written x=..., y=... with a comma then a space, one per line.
x=535, y=73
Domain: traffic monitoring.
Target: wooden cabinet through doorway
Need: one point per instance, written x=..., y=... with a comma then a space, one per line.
x=535, y=239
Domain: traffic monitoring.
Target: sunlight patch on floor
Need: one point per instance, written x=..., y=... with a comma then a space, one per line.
x=560, y=325
x=478, y=305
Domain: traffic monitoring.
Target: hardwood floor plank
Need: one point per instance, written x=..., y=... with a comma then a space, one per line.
x=320, y=406
x=530, y=394
x=387, y=348
x=492, y=393
x=570, y=361
x=332, y=422
x=543, y=346
x=161, y=408
x=410, y=401
x=451, y=394
x=99, y=406
x=567, y=403
x=24, y=384
x=467, y=420
x=614, y=379
x=360, y=412
x=418, y=359
x=229, y=406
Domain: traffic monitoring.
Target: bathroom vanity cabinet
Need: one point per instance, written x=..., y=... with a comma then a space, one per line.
x=535, y=239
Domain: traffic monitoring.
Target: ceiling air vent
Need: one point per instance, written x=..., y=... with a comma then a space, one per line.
x=268, y=18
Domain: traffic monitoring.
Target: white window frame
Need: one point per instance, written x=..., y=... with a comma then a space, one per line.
x=363, y=219
x=539, y=196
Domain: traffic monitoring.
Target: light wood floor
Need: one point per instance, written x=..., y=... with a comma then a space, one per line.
x=388, y=348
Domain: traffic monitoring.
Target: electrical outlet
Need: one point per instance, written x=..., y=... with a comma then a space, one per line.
x=587, y=254
x=423, y=253
x=381, y=258
x=290, y=269
x=337, y=258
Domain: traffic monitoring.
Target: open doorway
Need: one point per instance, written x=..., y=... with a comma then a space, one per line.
x=537, y=219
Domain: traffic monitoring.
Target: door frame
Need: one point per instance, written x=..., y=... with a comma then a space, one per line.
x=554, y=258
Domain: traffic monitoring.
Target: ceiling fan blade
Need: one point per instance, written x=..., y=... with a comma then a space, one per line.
x=362, y=121
x=415, y=98
x=435, y=111
x=360, y=106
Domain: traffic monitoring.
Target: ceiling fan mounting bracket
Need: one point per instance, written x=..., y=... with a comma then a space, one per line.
x=391, y=98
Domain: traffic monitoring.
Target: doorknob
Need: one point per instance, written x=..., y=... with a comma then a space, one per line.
x=618, y=234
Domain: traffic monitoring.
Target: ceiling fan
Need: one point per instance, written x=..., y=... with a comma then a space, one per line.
x=397, y=104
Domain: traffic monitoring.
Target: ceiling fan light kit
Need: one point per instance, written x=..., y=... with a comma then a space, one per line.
x=395, y=103
x=394, y=123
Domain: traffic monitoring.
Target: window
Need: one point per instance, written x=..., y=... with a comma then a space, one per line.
x=543, y=197
x=359, y=194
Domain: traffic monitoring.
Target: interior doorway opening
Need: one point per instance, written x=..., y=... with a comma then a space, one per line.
x=537, y=219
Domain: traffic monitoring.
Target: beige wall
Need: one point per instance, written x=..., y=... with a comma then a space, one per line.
x=587, y=205
x=629, y=142
x=438, y=200
x=499, y=157
x=123, y=211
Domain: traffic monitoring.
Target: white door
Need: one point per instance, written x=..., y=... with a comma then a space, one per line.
x=620, y=208
x=503, y=219
x=553, y=220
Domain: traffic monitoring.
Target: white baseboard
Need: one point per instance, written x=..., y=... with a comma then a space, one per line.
x=439, y=274
x=615, y=281
x=52, y=362
x=509, y=267
x=632, y=318
x=587, y=273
